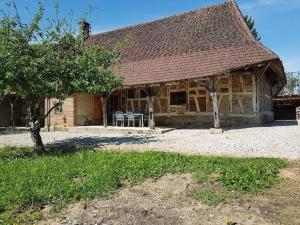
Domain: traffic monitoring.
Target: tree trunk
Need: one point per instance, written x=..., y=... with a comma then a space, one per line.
x=47, y=117
x=12, y=114
x=37, y=140
x=215, y=109
x=151, y=122
x=13, y=100
x=104, y=110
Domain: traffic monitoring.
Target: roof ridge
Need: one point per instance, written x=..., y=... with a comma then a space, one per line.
x=248, y=31
x=167, y=17
x=239, y=14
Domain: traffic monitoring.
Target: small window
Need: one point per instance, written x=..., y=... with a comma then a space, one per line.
x=143, y=94
x=178, y=98
x=131, y=93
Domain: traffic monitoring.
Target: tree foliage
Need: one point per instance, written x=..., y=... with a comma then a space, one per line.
x=97, y=71
x=45, y=58
x=97, y=76
x=251, y=24
x=293, y=84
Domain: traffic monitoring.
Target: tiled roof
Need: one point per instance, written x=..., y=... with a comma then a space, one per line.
x=200, y=43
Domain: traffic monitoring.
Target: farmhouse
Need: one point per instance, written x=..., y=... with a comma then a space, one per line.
x=182, y=69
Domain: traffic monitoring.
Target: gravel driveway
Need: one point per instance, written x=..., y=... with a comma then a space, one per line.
x=278, y=139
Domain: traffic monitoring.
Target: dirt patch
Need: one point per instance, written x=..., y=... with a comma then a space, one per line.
x=164, y=201
x=282, y=203
x=292, y=172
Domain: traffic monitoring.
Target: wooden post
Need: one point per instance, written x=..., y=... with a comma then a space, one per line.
x=151, y=122
x=254, y=94
x=215, y=109
x=104, y=110
x=230, y=93
x=213, y=93
x=151, y=93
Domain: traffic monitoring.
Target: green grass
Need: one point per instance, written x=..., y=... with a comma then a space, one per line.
x=208, y=197
x=29, y=181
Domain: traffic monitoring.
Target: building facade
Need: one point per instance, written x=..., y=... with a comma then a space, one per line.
x=176, y=58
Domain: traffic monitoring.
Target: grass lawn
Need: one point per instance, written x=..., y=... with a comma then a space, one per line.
x=29, y=181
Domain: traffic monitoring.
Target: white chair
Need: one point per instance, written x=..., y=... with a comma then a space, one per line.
x=130, y=118
x=120, y=118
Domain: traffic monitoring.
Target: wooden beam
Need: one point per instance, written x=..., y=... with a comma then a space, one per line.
x=230, y=92
x=139, y=99
x=264, y=70
x=215, y=109
x=198, y=96
x=187, y=86
x=254, y=93
x=151, y=122
x=219, y=101
x=207, y=99
x=197, y=103
x=159, y=104
x=241, y=105
x=243, y=83
x=168, y=94
x=132, y=105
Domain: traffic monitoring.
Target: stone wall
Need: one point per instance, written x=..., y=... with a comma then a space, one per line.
x=85, y=113
x=298, y=113
x=205, y=120
x=66, y=117
x=77, y=110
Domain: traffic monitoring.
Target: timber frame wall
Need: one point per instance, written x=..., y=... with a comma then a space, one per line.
x=243, y=97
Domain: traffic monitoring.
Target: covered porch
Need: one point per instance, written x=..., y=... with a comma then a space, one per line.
x=238, y=97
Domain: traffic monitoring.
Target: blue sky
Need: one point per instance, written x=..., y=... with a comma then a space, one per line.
x=277, y=21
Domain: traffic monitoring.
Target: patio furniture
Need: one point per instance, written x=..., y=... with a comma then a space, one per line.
x=114, y=123
x=130, y=118
x=119, y=118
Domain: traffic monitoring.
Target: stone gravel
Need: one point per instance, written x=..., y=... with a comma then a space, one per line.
x=279, y=139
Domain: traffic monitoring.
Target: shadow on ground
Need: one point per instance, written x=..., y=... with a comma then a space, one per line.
x=275, y=123
x=98, y=142
x=75, y=144
x=4, y=133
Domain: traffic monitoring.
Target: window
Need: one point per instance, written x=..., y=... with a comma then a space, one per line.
x=131, y=93
x=178, y=98
x=143, y=94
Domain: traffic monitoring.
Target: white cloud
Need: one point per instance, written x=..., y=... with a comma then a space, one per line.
x=265, y=3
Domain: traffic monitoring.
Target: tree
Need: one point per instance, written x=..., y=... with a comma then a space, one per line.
x=97, y=76
x=293, y=84
x=251, y=24
x=38, y=61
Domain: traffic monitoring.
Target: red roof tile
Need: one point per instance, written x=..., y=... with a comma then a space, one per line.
x=200, y=43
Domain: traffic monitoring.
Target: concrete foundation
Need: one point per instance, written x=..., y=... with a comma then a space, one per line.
x=122, y=130
x=205, y=120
